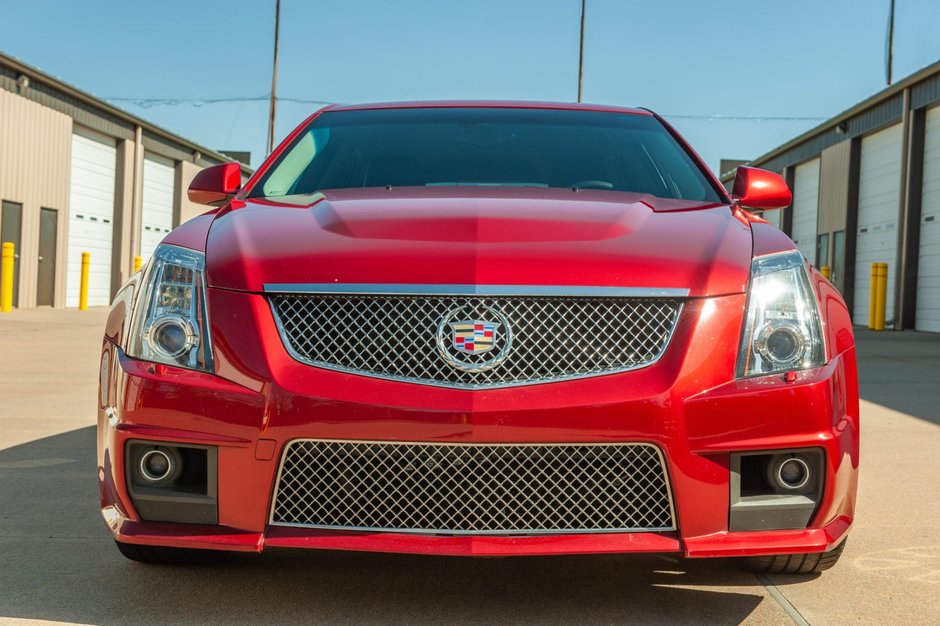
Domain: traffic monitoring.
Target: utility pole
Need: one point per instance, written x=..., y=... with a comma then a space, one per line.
x=277, y=27
x=581, y=56
x=889, y=45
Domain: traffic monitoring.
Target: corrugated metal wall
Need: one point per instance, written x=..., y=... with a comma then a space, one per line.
x=834, y=195
x=881, y=115
x=187, y=210
x=35, y=150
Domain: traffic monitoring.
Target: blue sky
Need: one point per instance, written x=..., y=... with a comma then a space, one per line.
x=760, y=59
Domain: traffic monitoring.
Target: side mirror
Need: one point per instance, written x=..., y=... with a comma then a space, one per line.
x=216, y=185
x=760, y=189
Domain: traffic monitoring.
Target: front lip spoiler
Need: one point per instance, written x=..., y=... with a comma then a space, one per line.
x=586, y=291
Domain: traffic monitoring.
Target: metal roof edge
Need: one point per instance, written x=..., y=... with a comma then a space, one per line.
x=86, y=97
x=892, y=90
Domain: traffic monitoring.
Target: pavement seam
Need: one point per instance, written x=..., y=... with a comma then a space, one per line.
x=781, y=599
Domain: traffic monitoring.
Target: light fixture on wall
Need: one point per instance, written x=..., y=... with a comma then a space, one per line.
x=842, y=128
x=22, y=82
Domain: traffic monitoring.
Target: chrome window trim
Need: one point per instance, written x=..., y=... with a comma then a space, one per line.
x=430, y=289
x=285, y=342
x=419, y=531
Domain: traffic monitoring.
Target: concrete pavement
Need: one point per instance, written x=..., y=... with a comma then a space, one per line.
x=57, y=562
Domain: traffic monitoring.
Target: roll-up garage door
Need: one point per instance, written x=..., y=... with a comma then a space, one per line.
x=157, y=214
x=928, y=266
x=879, y=192
x=91, y=216
x=806, y=207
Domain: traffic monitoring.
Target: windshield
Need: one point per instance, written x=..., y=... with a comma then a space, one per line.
x=499, y=147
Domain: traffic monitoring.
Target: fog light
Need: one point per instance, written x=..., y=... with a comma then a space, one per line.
x=791, y=473
x=156, y=465
x=172, y=336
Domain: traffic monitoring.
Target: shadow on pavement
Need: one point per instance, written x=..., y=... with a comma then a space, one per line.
x=60, y=564
x=900, y=371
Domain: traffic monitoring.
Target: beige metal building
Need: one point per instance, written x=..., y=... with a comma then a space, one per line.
x=77, y=174
x=866, y=189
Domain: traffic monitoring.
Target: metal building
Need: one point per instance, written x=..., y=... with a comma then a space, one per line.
x=79, y=175
x=866, y=188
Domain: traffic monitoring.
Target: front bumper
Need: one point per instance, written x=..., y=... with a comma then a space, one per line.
x=684, y=405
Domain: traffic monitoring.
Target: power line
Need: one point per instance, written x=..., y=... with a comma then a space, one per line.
x=745, y=118
x=153, y=102
x=710, y=117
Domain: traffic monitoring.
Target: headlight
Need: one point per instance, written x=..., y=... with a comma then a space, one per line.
x=782, y=331
x=170, y=323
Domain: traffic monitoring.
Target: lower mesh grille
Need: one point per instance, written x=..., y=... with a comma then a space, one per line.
x=473, y=489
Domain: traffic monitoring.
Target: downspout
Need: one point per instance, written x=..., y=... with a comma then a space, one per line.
x=136, y=197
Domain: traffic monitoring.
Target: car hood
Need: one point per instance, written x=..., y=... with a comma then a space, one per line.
x=482, y=236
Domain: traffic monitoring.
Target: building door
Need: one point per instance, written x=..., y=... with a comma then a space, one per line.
x=806, y=207
x=91, y=214
x=879, y=195
x=11, y=230
x=837, y=262
x=157, y=212
x=928, y=265
x=48, y=234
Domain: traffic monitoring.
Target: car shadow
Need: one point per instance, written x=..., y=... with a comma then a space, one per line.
x=900, y=371
x=59, y=564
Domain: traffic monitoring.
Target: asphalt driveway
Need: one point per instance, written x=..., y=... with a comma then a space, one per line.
x=57, y=562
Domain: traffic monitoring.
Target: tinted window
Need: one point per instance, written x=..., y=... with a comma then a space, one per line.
x=487, y=147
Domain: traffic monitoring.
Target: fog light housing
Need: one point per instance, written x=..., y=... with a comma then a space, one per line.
x=173, y=482
x=775, y=489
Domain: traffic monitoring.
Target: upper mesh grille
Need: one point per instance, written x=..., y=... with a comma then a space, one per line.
x=552, y=338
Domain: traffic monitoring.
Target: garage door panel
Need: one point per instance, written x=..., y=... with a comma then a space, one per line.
x=879, y=195
x=806, y=207
x=928, y=264
x=91, y=212
x=158, y=193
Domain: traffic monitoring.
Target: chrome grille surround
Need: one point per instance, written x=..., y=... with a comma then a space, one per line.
x=473, y=489
x=396, y=335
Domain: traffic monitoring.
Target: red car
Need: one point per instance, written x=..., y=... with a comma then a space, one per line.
x=465, y=328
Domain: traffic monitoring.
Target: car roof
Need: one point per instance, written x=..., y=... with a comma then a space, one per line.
x=487, y=104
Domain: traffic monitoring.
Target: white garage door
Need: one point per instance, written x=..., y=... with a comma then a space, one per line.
x=928, y=267
x=91, y=216
x=157, y=213
x=879, y=194
x=806, y=207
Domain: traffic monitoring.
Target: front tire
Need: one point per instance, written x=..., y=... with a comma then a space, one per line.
x=162, y=555
x=792, y=563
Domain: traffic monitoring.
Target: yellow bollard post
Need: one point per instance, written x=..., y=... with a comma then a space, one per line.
x=6, y=278
x=83, y=286
x=825, y=271
x=872, y=295
x=882, y=296
x=136, y=264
